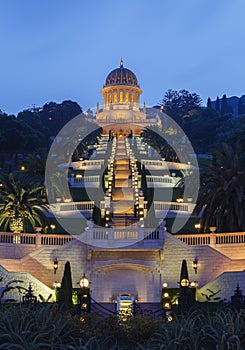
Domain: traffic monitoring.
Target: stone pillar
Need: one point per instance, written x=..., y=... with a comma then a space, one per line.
x=156, y=281
x=38, y=239
x=212, y=239
x=107, y=200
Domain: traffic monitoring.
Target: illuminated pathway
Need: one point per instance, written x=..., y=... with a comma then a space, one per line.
x=123, y=200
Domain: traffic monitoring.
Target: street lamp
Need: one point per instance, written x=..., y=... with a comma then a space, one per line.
x=84, y=281
x=84, y=296
x=166, y=303
x=56, y=285
x=184, y=282
x=29, y=297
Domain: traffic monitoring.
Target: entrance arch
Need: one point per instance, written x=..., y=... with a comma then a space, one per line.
x=127, y=279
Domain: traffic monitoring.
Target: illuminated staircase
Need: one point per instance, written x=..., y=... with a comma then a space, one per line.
x=122, y=204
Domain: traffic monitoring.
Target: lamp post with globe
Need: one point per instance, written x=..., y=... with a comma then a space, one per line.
x=84, y=296
x=187, y=296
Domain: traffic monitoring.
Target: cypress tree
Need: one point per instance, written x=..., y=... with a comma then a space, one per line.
x=186, y=299
x=217, y=104
x=184, y=271
x=224, y=105
x=209, y=105
x=96, y=216
x=65, y=293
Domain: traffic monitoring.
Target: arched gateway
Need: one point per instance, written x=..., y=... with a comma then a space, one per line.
x=118, y=279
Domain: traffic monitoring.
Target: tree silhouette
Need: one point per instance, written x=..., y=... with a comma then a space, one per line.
x=217, y=104
x=179, y=103
x=222, y=193
x=65, y=292
x=209, y=103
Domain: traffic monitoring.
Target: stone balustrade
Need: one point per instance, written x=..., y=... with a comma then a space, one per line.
x=126, y=234
x=157, y=164
x=212, y=238
x=85, y=181
x=171, y=206
x=94, y=234
x=110, y=234
x=89, y=205
x=95, y=164
x=161, y=181
x=73, y=209
x=38, y=239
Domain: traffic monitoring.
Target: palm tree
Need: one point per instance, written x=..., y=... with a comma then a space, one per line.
x=222, y=193
x=20, y=203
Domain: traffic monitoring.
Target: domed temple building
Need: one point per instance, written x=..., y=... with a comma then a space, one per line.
x=120, y=205
x=121, y=111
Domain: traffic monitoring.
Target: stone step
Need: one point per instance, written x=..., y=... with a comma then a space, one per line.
x=123, y=174
x=121, y=152
x=119, y=167
x=124, y=160
x=124, y=224
x=124, y=220
x=119, y=183
x=122, y=207
x=122, y=194
x=120, y=155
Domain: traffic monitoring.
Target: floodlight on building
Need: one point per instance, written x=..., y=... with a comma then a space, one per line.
x=179, y=200
x=55, y=265
x=194, y=264
x=53, y=227
x=67, y=200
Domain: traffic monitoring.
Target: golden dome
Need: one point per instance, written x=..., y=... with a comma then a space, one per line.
x=121, y=76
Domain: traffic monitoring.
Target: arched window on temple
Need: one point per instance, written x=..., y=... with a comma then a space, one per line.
x=121, y=97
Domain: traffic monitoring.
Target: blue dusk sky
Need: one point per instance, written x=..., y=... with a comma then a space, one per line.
x=54, y=50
